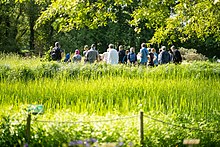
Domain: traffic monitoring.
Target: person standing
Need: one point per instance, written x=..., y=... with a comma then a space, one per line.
x=56, y=52
x=132, y=57
x=105, y=56
x=121, y=54
x=143, y=54
x=86, y=48
x=125, y=59
x=177, y=58
x=151, y=58
x=112, y=55
x=164, y=56
x=156, y=56
x=92, y=55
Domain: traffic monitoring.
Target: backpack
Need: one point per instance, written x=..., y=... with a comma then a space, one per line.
x=132, y=57
x=165, y=57
x=177, y=56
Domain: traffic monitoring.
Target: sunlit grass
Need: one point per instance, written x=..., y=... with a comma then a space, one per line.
x=14, y=60
x=101, y=89
x=116, y=95
x=186, y=94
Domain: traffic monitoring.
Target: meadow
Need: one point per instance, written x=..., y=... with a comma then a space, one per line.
x=185, y=98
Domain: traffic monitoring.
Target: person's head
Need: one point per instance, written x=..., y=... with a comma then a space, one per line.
x=93, y=46
x=132, y=49
x=173, y=47
x=126, y=52
x=57, y=44
x=163, y=48
x=86, y=47
x=143, y=45
x=153, y=50
x=149, y=49
x=77, y=52
x=121, y=47
x=111, y=46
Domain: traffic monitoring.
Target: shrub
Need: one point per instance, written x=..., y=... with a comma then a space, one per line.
x=191, y=55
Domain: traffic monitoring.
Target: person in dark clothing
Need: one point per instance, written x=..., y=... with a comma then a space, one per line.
x=92, y=55
x=56, y=52
x=125, y=59
x=177, y=58
x=151, y=58
x=132, y=57
x=121, y=54
x=171, y=55
x=164, y=56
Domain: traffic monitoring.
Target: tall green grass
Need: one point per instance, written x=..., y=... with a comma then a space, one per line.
x=186, y=94
x=112, y=94
x=191, y=88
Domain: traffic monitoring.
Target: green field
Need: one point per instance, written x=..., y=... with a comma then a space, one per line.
x=182, y=96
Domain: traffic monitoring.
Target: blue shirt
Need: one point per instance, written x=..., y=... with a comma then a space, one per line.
x=144, y=55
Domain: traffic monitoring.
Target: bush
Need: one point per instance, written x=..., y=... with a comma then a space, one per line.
x=191, y=55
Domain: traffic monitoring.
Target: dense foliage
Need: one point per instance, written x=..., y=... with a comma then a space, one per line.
x=36, y=24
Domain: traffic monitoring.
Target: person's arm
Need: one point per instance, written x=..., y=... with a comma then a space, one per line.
x=155, y=57
x=159, y=58
x=141, y=53
x=148, y=57
x=107, y=57
x=162, y=57
x=128, y=58
x=97, y=56
x=62, y=53
x=86, y=56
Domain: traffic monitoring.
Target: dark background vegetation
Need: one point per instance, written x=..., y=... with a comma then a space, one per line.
x=35, y=25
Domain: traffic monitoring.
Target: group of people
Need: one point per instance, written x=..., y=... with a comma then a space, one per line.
x=146, y=56
x=56, y=54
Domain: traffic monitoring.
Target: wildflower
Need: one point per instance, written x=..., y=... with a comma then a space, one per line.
x=93, y=140
x=130, y=144
x=72, y=143
x=120, y=144
x=79, y=142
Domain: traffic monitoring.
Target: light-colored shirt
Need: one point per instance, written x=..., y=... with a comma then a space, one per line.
x=112, y=56
x=77, y=58
x=105, y=56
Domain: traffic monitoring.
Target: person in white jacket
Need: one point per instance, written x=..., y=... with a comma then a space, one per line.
x=112, y=55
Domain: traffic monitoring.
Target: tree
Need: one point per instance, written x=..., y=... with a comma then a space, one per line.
x=187, y=23
x=195, y=24
x=9, y=16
